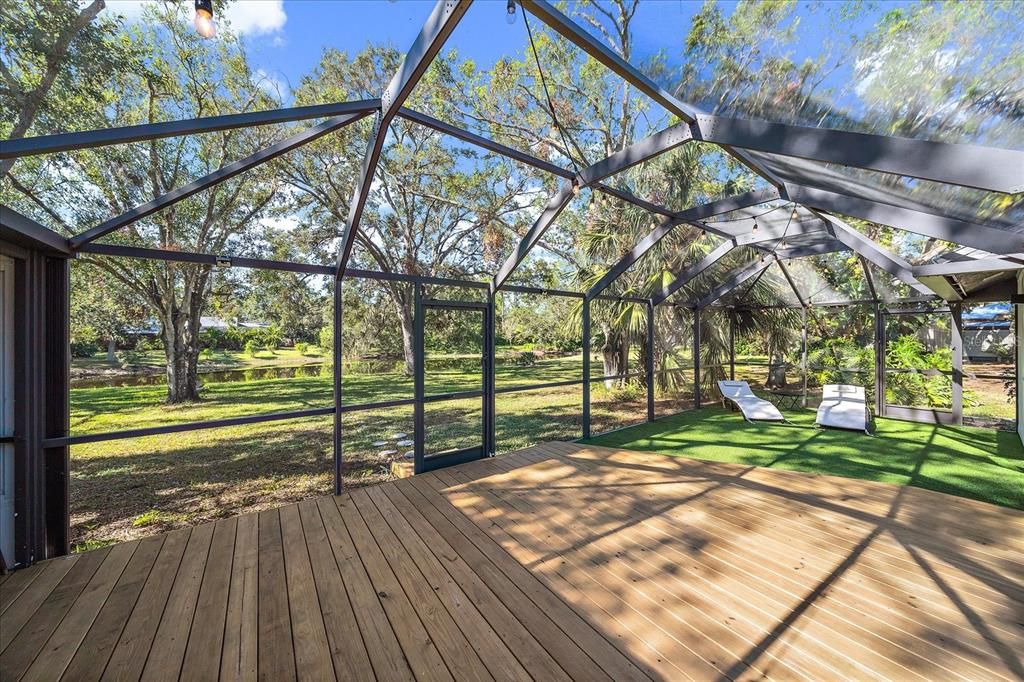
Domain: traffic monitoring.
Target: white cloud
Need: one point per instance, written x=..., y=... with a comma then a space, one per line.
x=253, y=17
x=256, y=16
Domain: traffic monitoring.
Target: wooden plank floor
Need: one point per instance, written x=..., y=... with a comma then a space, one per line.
x=556, y=562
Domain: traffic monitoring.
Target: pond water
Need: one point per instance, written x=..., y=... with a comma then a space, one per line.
x=317, y=369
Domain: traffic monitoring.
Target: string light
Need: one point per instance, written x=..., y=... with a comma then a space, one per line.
x=510, y=12
x=754, y=229
x=204, y=19
x=575, y=188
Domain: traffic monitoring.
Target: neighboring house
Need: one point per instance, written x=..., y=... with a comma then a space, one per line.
x=988, y=333
x=151, y=328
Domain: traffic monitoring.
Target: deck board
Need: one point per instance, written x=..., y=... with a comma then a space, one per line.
x=559, y=561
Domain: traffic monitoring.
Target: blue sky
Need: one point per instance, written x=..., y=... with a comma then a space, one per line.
x=285, y=38
x=293, y=49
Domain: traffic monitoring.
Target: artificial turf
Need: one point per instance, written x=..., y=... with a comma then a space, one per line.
x=977, y=463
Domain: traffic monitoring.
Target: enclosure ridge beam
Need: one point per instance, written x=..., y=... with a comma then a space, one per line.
x=985, y=168
x=880, y=257
x=555, y=206
x=691, y=272
x=439, y=25
x=690, y=215
x=216, y=177
x=985, y=238
x=87, y=139
x=736, y=278
x=580, y=37
x=19, y=228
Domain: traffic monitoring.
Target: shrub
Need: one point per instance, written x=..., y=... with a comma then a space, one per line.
x=85, y=341
x=326, y=339
x=251, y=348
x=302, y=347
x=526, y=359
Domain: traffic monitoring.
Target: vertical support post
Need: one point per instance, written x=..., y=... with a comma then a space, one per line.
x=419, y=431
x=732, y=344
x=696, y=358
x=336, y=356
x=586, y=368
x=650, y=361
x=803, y=357
x=957, y=347
x=879, y=360
x=490, y=410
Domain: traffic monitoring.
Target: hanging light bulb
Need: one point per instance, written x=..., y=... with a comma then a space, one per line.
x=575, y=184
x=754, y=229
x=204, y=19
x=795, y=215
x=510, y=12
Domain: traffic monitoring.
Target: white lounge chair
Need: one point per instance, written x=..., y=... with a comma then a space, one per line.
x=843, y=407
x=752, y=407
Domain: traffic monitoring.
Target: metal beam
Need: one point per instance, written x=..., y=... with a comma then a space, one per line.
x=638, y=152
x=690, y=215
x=985, y=238
x=555, y=206
x=483, y=142
x=216, y=177
x=796, y=292
x=736, y=278
x=942, y=287
x=964, y=267
x=583, y=39
x=87, y=139
x=880, y=257
x=21, y=229
x=439, y=25
x=772, y=234
x=691, y=272
x=602, y=53
x=819, y=249
x=986, y=168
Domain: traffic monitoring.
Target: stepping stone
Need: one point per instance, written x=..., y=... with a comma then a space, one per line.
x=387, y=453
x=379, y=443
x=399, y=436
x=410, y=454
x=405, y=443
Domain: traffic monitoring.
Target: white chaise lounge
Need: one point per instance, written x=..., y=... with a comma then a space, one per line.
x=843, y=407
x=752, y=407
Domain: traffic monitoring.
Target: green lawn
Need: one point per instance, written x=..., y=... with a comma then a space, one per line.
x=125, y=489
x=981, y=464
x=155, y=360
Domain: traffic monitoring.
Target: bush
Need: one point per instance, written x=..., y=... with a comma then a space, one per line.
x=251, y=348
x=326, y=339
x=302, y=347
x=85, y=341
x=526, y=359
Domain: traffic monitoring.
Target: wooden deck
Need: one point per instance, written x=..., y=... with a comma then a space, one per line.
x=556, y=562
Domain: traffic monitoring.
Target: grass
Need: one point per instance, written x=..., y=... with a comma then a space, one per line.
x=191, y=477
x=980, y=464
x=125, y=489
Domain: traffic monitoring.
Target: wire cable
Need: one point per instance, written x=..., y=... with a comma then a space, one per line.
x=547, y=94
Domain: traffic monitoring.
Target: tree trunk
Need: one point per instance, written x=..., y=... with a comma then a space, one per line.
x=181, y=348
x=776, y=373
x=111, y=347
x=405, y=315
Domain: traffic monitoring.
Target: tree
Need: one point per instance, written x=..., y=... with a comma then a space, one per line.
x=57, y=58
x=182, y=76
x=435, y=207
